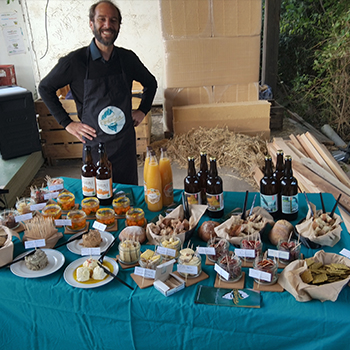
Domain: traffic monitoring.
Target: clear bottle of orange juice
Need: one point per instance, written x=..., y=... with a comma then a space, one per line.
x=166, y=175
x=154, y=184
x=145, y=169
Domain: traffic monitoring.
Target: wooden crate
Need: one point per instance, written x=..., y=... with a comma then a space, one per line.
x=59, y=144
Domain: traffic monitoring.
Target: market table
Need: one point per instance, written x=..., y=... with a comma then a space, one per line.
x=47, y=313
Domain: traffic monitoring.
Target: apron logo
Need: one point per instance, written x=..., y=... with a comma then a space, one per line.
x=111, y=120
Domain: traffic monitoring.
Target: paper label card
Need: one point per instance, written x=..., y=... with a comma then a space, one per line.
x=147, y=273
x=37, y=243
x=38, y=206
x=99, y=226
x=166, y=251
x=206, y=250
x=261, y=275
x=90, y=251
x=51, y=195
x=193, y=270
x=221, y=272
x=278, y=254
x=345, y=253
x=23, y=217
x=63, y=222
x=54, y=188
x=245, y=253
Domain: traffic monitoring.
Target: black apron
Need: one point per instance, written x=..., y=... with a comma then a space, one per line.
x=107, y=109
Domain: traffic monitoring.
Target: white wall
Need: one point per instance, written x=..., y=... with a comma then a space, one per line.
x=68, y=29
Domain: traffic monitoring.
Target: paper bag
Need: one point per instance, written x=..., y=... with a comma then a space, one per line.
x=6, y=251
x=291, y=281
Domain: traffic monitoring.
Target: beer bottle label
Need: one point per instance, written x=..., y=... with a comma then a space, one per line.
x=193, y=198
x=168, y=190
x=215, y=201
x=89, y=186
x=290, y=204
x=269, y=202
x=153, y=195
x=104, y=188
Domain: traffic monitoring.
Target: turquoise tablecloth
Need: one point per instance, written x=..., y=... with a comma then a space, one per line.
x=47, y=313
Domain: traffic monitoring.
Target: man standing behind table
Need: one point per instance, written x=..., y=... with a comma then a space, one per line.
x=100, y=78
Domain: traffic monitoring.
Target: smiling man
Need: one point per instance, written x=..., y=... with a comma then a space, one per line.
x=100, y=78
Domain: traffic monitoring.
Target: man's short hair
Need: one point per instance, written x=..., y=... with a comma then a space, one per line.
x=93, y=9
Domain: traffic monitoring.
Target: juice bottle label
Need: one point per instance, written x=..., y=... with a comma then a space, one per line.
x=168, y=190
x=104, y=188
x=269, y=203
x=89, y=186
x=290, y=204
x=193, y=198
x=153, y=195
x=215, y=201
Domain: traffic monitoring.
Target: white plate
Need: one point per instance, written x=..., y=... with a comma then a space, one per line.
x=75, y=247
x=56, y=260
x=68, y=273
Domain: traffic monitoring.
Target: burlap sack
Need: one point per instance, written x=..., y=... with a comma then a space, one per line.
x=196, y=212
x=6, y=251
x=221, y=230
x=330, y=239
x=291, y=281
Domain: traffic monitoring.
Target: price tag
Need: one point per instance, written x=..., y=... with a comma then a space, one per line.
x=38, y=206
x=193, y=270
x=54, y=188
x=245, y=253
x=37, y=243
x=206, y=250
x=221, y=272
x=147, y=273
x=345, y=253
x=63, y=222
x=99, y=226
x=261, y=275
x=278, y=254
x=166, y=251
x=51, y=195
x=90, y=251
x=23, y=217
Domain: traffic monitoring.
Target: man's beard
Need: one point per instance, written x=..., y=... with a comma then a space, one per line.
x=99, y=38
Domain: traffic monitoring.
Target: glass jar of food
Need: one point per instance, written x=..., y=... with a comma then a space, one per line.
x=55, y=184
x=7, y=218
x=221, y=247
x=78, y=219
x=292, y=247
x=135, y=217
x=38, y=194
x=232, y=264
x=90, y=205
x=172, y=242
x=121, y=205
x=150, y=259
x=52, y=211
x=254, y=244
x=66, y=200
x=105, y=216
x=190, y=258
x=129, y=251
x=268, y=269
x=23, y=205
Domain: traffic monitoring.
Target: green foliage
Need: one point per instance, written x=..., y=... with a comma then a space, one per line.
x=314, y=61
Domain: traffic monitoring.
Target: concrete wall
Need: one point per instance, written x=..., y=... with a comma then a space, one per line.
x=68, y=29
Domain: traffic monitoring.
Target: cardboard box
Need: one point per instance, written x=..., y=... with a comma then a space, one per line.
x=7, y=75
x=250, y=118
x=183, y=19
x=187, y=96
x=212, y=61
x=162, y=277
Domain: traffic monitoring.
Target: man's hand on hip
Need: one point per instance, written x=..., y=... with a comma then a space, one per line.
x=137, y=117
x=80, y=130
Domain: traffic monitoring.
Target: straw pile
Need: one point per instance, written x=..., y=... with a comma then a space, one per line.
x=236, y=151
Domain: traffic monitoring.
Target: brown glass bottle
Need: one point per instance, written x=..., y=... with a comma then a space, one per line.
x=289, y=192
x=278, y=174
x=88, y=174
x=269, y=190
x=191, y=184
x=202, y=176
x=104, y=188
x=215, y=194
x=102, y=145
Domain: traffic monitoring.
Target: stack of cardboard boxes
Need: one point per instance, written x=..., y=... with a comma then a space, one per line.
x=212, y=57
